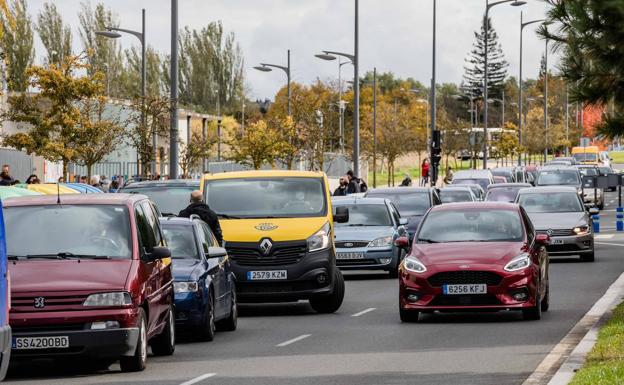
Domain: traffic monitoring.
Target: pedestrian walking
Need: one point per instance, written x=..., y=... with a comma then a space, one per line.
x=407, y=181
x=424, y=172
x=341, y=190
x=201, y=209
x=448, y=177
x=356, y=185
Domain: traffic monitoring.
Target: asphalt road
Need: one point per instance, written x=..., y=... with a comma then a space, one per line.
x=365, y=343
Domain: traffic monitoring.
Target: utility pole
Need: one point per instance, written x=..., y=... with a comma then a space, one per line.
x=546, y=103
x=375, y=127
x=435, y=149
x=173, y=132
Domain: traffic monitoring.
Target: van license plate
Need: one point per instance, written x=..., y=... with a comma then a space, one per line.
x=266, y=275
x=480, y=288
x=40, y=342
x=356, y=255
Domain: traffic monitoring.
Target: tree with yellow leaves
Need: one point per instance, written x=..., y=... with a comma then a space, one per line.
x=258, y=145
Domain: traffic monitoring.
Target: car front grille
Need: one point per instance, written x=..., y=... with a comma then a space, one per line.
x=464, y=277
x=26, y=303
x=47, y=328
x=350, y=244
x=281, y=253
x=558, y=232
x=354, y=262
x=465, y=300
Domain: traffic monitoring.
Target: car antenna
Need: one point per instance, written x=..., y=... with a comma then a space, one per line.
x=58, y=193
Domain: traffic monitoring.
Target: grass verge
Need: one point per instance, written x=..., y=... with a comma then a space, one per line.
x=617, y=156
x=605, y=362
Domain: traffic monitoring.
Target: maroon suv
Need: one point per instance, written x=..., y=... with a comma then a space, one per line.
x=91, y=279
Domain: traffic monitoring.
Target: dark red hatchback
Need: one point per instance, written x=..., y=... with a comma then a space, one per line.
x=474, y=257
x=91, y=279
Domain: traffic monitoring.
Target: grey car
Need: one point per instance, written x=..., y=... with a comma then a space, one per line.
x=559, y=212
x=457, y=193
x=366, y=241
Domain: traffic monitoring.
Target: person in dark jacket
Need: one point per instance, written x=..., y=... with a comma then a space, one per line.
x=353, y=186
x=5, y=176
x=341, y=190
x=199, y=208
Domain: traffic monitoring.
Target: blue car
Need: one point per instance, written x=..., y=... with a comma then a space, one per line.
x=366, y=241
x=5, y=329
x=204, y=284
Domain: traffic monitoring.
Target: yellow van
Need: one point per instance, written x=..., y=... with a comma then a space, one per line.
x=278, y=232
x=586, y=155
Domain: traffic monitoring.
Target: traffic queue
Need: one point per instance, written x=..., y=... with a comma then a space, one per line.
x=103, y=278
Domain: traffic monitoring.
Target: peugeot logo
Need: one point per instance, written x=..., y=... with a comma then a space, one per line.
x=348, y=244
x=266, y=227
x=464, y=267
x=549, y=232
x=265, y=246
x=39, y=302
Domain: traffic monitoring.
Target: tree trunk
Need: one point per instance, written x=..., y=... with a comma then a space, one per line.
x=89, y=169
x=65, y=167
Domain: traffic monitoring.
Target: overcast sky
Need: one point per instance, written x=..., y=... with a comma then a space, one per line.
x=395, y=35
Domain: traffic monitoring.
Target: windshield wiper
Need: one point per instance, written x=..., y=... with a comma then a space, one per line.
x=63, y=255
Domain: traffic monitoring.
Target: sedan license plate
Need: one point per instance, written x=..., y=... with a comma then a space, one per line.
x=480, y=288
x=266, y=275
x=350, y=255
x=556, y=241
x=40, y=342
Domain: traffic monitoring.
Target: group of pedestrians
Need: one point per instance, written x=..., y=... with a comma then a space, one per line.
x=350, y=184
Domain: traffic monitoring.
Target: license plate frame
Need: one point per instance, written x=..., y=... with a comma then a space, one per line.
x=267, y=275
x=38, y=343
x=465, y=289
x=554, y=241
x=349, y=255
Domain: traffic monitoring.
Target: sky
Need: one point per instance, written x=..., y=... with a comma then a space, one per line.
x=395, y=35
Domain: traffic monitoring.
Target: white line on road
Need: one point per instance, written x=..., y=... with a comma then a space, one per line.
x=198, y=379
x=610, y=244
x=370, y=309
x=604, y=236
x=296, y=339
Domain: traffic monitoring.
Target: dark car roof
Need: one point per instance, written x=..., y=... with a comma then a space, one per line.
x=359, y=201
x=399, y=190
x=163, y=183
x=476, y=205
x=547, y=189
x=502, y=185
x=75, y=199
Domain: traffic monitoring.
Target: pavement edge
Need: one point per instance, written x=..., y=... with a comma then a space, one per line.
x=569, y=354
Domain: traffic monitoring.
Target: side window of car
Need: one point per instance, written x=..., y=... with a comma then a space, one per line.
x=529, y=226
x=199, y=230
x=150, y=214
x=395, y=213
x=144, y=230
x=210, y=239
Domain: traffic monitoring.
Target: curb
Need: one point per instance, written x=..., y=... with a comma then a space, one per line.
x=570, y=353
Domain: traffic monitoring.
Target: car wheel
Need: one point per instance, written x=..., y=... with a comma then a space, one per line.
x=207, y=329
x=164, y=343
x=229, y=324
x=588, y=257
x=409, y=316
x=533, y=313
x=394, y=269
x=545, y=304
x=330, y=303
x=138, y=361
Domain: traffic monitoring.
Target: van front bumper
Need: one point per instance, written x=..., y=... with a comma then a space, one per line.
x=5, y=349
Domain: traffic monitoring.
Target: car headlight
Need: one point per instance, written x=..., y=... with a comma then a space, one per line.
x=520, y=262
x=581, y=230
x=108, y=299
x=320, y=239
x=414, y=265
x=185, y=287
x=382, y=242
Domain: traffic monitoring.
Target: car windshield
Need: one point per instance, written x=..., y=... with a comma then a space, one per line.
x=450, y=196
x=181, y=241
x=366, y=215
x=558, y=178
x=481, y=182
x=585, y=157
x=471, y=225
x=267, y=197
x=68, y=230
x=505, y=174
x=551, y=202
x=409, y=204
x=502, y=194
x=169, y=200
x=587, y=171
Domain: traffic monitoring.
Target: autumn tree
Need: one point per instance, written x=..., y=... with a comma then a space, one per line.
x=140, y=132
x=51, y=118
x=258, y=145
x=17, y=45
x=192, y=153
x=131, y=76
x=55, y=35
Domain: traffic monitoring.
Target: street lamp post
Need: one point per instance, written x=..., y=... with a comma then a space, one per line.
x=112, y=32
x=546, y=102
x=502, y=101
x=375, y=127
x=341, y=105
x=264, y=67
x=489, y=6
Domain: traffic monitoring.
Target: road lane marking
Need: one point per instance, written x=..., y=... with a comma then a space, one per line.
x=198, y=379
x=610, y=244
x=370, y=309
x=296, y=339
x=604, y=236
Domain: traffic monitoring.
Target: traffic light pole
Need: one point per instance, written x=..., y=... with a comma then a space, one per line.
x=435, y=134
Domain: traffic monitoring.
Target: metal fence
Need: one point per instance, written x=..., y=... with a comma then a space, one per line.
x=126, y=169
x=21, y=164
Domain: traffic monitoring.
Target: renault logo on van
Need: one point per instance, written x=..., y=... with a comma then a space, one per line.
x=266, y=227
x=39, y=302
x=265, y=246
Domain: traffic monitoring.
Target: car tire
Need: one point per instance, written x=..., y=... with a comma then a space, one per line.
x=206, y=330
x=138, y=361
x=164, y=343
x=330, y=303
x=394, y=269
x=230, y=323
x=533, y=313
x=545, y=304
x=588, y=257
x=409, y=316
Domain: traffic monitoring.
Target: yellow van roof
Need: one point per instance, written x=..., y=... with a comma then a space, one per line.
x=263, y=174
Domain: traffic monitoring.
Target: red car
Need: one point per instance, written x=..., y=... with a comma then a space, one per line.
x=474, y=257
x=91, y=279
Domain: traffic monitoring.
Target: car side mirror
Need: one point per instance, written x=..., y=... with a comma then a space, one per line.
x=216, y=252
x=542, y=239
x=157, y=253
x=403, y=221
x=401, y=242
x=341, y=215
x=593, y=211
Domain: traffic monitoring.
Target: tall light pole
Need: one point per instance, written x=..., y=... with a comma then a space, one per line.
x=435, y=145
x=375, y=127
x=520, y=98
x=502, y=101
x=264, y=67
x=112, y=32
x=356, y=91
x=173, y=131
x=489, y=6
x=341, y=104
x=567, y=119
x=546, y=102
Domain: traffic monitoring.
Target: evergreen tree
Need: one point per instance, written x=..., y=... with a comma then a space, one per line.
x=131, y=78
x=55, y=35
x=497, y=65
x=17, y=44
